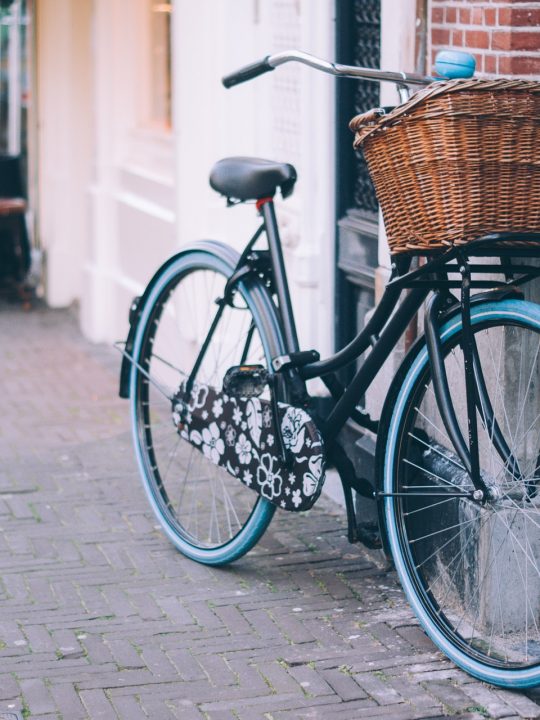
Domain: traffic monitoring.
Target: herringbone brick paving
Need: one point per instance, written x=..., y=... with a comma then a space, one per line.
x=101, y=618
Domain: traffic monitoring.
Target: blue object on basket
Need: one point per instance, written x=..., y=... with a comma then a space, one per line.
x=452, y=64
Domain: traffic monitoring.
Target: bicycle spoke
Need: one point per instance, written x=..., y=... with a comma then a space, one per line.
x=436, y=450
x=429, y=472
x=429, y=507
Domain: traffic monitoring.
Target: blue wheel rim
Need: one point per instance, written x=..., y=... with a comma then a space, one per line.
x=263, y=511
x=510, y=310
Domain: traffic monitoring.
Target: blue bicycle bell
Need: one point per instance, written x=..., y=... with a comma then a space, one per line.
x=452, y=64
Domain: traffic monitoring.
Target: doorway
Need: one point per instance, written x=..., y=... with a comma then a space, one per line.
x=16, y=138
x=358, y=42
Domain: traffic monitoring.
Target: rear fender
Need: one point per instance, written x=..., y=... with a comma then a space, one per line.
x=212, y=247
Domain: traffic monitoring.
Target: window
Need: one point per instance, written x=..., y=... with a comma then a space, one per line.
x=160, y=47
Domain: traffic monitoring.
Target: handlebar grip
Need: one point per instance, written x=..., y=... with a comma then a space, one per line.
x=248, y=72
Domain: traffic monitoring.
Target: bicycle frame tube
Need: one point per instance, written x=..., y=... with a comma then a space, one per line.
x=385, y=307
x=373, y=363
x=391, y=325
x=280, y=276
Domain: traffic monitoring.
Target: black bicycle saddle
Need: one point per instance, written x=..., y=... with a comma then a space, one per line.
x=248, y=178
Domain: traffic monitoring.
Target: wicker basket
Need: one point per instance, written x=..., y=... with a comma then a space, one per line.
x=460, y=160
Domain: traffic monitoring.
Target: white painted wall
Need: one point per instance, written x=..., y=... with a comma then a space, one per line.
x=133, y=208
x=64, y=142
x=286, y=115
x=117, y=196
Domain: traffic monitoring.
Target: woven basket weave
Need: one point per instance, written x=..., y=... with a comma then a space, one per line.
x=460, y=160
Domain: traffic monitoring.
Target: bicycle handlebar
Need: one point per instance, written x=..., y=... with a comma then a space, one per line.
x=270, y=62
x=449, y=64
x=248, y=72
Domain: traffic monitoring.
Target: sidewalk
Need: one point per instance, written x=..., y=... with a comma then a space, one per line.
x=101, y=618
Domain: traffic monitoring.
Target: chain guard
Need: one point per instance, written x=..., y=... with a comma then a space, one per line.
x=239, y=434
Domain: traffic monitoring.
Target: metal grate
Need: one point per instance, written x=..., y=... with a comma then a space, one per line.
x=367, y=50
x=286, y=91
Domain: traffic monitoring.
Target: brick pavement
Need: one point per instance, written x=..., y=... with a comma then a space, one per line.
x=101, y=618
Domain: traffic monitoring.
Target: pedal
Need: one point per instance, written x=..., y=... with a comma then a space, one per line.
x=245, y=380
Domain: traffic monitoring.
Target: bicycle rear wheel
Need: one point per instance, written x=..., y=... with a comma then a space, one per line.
x=209, y=515
x=471, y=570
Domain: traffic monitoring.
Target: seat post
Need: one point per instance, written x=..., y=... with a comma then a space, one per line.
x=266, y=208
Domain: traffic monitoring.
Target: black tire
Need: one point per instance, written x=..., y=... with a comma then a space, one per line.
x=471, y=571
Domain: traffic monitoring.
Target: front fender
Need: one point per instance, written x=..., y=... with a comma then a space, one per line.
x=497, y=295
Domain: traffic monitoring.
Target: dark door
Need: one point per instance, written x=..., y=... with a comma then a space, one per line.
x=357, y=43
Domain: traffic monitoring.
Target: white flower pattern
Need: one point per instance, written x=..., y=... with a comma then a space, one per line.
x=239, y=434
x=243, y=450
x=198, y=396
x=292, y=429
x=312, y=477
x=268, y=479
x=217, y=408
x=230, y=435
x=213, y=446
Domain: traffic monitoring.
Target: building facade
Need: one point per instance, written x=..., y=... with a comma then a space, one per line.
x=129, y=115
x=127, y=140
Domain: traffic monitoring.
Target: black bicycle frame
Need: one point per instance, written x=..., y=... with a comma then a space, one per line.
x=389, y=322
x=279, y=276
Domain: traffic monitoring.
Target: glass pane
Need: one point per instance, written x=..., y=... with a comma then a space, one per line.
x=15, y=75
x=160, y=107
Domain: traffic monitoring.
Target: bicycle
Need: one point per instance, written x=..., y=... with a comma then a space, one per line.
x=219, y=408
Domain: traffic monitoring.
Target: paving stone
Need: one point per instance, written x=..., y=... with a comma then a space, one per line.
x=311, y=682
x=37, y=697
x=185, y=710
x=124, y=653
x=261, y=623
x=292, y=628
x=186, y=665
x=218, y=671
x=97, y=704
x=486, y=697
x=521, y=705
x=416, y=637
x=9, y=688
x=158, y=663
x=103, y=619
x=277, y=677
x=447, y=693
x=233, y=619
x=68, y=701
x=128, y=707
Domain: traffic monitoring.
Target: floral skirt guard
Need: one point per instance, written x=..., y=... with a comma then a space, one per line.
x=239, y=434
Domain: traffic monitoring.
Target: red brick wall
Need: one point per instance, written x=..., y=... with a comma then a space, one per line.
x=504, y=35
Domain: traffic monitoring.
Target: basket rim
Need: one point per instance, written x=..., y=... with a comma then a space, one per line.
x=434, y=90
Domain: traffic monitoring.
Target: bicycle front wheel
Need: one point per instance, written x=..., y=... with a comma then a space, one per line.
x=209, y=515
x=470, y=569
